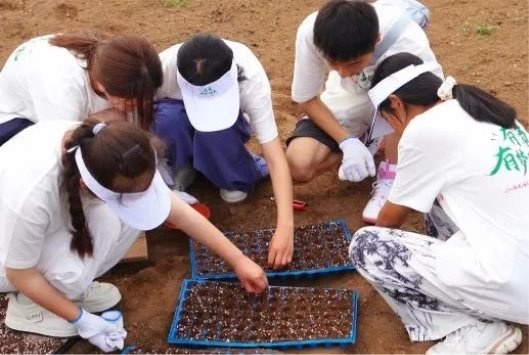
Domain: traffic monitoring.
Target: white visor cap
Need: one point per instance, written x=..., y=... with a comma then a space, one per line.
x=144, y=210
x=388, y=86
x=215, y=106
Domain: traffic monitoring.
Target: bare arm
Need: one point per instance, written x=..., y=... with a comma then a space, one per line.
x=392, y=215
x=282, y=244
x=32, y=284
x=201, y=230
x=324, y=118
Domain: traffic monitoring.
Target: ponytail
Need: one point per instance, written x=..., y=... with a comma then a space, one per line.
x=484, y=107
x=81, y=239
x=422, y=91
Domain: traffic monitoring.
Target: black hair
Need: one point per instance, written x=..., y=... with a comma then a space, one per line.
x=204, y=58
x=422, y=91
x=346, y=29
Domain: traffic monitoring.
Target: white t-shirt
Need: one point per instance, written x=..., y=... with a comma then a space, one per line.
x=255, y=91
x=41, y=82
x=479, y=172
x=310, y=67
x=30, y=198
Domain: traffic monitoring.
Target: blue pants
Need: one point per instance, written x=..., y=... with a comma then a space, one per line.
x=10, y=128
x=220, y=156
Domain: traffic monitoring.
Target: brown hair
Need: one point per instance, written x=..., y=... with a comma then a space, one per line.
x=127, y=66
x=119, y=149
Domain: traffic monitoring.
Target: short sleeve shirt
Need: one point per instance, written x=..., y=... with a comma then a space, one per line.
x=310, y=67
x=41, y=82
x=30, y=198
x=479, y=172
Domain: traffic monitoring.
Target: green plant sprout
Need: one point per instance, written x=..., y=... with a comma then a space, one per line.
x=175, y=3
x=484, y=29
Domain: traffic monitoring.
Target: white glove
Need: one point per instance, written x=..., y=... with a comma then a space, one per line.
x=357, y=161
x=100, y=332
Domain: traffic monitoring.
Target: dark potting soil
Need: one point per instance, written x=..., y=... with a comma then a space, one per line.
x=316, y=246
x=24, y=343
x=223, y=311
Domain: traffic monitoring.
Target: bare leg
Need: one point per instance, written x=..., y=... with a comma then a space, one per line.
x=391, y=142
x=307, y=158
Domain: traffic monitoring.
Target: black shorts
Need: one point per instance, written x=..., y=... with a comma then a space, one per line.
x=306, y=128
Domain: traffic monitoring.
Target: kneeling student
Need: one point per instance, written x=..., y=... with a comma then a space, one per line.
x=462, y=160
x=72, y=214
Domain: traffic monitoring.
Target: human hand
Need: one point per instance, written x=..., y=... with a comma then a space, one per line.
x=281, y=248
x=100, y=332
x=357, y=161
x=251, y=275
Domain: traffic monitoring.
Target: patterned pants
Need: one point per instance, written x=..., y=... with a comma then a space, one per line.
x=387, y=259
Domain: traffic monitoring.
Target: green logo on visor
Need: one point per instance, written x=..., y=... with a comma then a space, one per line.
x=208, y=91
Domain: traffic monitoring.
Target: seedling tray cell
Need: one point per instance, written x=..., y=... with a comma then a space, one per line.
x=221, y=314
x=318, y=249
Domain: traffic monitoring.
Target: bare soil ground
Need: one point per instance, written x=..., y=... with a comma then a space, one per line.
x=460, y=36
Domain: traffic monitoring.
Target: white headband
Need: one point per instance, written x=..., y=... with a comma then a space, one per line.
x=386, y=87
x=389, y=85
x=90, y=181
x=143, y=210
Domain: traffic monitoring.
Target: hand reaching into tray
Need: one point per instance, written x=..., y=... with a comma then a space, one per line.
x=183, y=216
x=281, y=248
x=251, y=275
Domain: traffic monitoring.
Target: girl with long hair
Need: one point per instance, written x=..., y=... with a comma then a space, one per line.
x=462, y=160
x=73, y=213
x=70, y=76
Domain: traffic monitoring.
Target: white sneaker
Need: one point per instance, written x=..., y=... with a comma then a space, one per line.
x=25, y=315
x=480, y=338
x=99, y=297
x=379, y=195
x=233, y=196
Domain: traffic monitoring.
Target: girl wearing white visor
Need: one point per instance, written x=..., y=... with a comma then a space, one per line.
x=214, y=96
x=463, y=160
x=71, y=215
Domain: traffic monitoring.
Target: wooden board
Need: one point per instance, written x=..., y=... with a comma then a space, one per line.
x=138, y=251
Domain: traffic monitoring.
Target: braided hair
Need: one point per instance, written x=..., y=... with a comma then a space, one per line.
x=117, y=150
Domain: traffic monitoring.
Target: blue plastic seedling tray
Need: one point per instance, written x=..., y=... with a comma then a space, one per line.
x=258, y=251
x=191, y=322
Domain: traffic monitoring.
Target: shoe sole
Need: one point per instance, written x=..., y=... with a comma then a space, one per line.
x=233, y=200
x=24, y=326
x=510, y=341
x=369, y=220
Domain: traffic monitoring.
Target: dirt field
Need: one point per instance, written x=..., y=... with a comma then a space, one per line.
x=481, y=42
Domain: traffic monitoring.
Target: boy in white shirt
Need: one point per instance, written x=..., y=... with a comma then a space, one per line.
x=214, y=95
x=350, y=37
